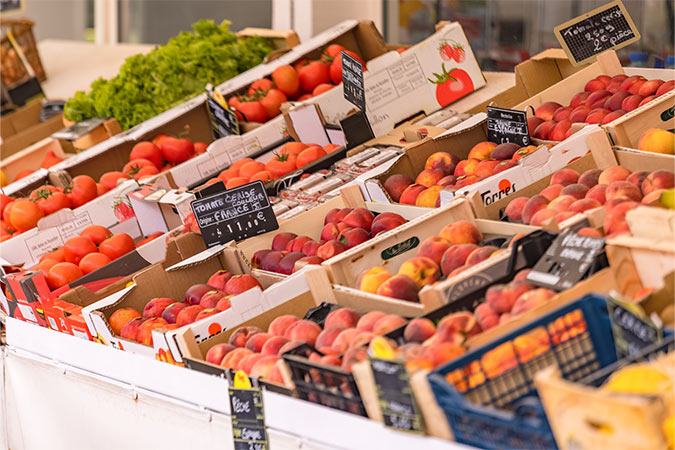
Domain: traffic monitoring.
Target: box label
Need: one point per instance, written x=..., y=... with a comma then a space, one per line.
x=607, y=27
x=399, y=409
x=352, y=81
x=399, y=248
x=248, y=419
x=632, y=331
x=234, y=214
x=507, y=125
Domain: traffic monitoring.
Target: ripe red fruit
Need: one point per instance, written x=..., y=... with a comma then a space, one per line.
x=177, y=151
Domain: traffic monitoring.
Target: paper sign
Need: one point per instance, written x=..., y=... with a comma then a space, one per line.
x=607, y=27
x=507, y=125
x=352, y=81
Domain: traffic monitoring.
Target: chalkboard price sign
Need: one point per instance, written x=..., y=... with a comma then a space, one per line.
x=607, y=27
x=399, y=409
x=631, y=332
x=507, y=125
x=352, y=81
x=568, y=260
x=248, y=419
x=234, y=214
x=223, y=121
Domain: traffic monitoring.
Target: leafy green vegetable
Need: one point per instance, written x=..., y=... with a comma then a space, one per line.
x=150, y=84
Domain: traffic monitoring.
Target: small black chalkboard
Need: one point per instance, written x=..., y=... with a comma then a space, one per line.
x=568, y=260
x=11, y=6
x=607, y=27
x=631, y=332
x=507, y=125
x=234, y=214
x=248, y=419
x=352, y=81
x=399, y=409
x=223, y=121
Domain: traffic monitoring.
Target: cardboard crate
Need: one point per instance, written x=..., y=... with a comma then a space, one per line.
x=23, y=128
x=30, y=158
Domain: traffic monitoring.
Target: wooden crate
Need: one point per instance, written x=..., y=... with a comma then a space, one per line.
x=659, y=113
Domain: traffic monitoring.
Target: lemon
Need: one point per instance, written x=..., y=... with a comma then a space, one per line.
x=639, y=379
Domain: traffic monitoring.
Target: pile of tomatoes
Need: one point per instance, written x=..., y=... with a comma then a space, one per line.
x=289, y=158
x=302, y=80
x=95, y=247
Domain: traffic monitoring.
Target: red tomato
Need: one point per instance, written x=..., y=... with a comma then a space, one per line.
x=76, y=248
x=56, y=255
x=331, y=52
x=233, y=102
x=148, y=151
x=281, y=164
x=92, y=262
x=100, y=190
x=336, y=67
x=61, y=274
x=328, y=148
x=146, y=172
x=81, y=190
x=225, y=175
x=177, y=150
x=23, y=174
x=238, y=164
x=251, y=168
x=6, y=212
x=45, y=265
x=200, y=147
x=263, y=175
x=272, y=102
x=154, y=236
x=252, y=112
x=299, y=64
x=313, y=75
x=159, y=139
x=109, y=179
x=293, y=148
x=323, y=87
x=117, y=245
x=24, y=214
x=451, y=86
x=5, y=229
x=309, y=155
x=4, y=201
x=304, y=97
x=259, y=87
x=236, y=182
x=50, y=201
x=50, y=160
x=42, y=190
x=96, y=233
x=286, y=79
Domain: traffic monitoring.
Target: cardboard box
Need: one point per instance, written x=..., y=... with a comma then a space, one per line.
x=160, y=210
x=30, y=158
x=659, y=113
x=22, y=128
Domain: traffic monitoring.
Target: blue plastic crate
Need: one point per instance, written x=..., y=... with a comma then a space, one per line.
x=488, y=394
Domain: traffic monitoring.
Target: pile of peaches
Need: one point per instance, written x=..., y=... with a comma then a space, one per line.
x=443, y=170
x=616, y=188
x=344, y=228
x=604, y=99
x=455, y=249
x=201, y=301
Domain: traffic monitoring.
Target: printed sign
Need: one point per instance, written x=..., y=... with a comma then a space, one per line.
x=248, y=418
x=352, y=81
x=507, y=125
x=399, y=409
x=607, y=27
x=632, y=331
x=234, y=214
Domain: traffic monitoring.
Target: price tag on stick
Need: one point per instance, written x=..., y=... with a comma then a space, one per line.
x=507, y=125
x=248, y=415
x=607, y=27
x=352, y=81
x=234, y=214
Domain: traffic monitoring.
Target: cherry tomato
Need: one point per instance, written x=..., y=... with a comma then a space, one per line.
x=82, y=189
x=109, y=179
x=313, y=75
x=92, y=262
x=24, y=214
x=272, y=102
x=287, y=80
x=61, y=274
x=177, y=151
x=76, y=248
x=117, y=245
x=147, y=151
x=252, y=112
x=309, y=155
x=96, y=233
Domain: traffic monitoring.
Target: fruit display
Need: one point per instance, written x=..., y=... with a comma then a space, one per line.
x=344, y=228
x=49, y=160
x=604, y=99
x=200, y=301
x=656, y=140
x=302, y=80
x=616, y=189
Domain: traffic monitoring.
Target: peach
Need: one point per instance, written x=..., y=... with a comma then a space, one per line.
x=343, y=339
x=594, y=85
x=631, y=102
x=170, y=313
x=264, y=367
x=385, y=222
x=466, y=180
x=241, y=283
x=371, y=279
x=443, y=161
x=447, y=181
x=579, y=114
x=280, y=324
x=576, y=190
x=613, y=102
x=332, y=360
x=352, y=357
x=653, y=198
x=130, y=329
x=598, y=98
x=462, y=322
x=659, y=179
x=637, y=177
x=443, y=353
x=610, y=204
x=218, y=279
x=346, y=317
x=499, y=298
x=388, y=323
x=224, y=303
x=287, y=263
x=514, y=210
x=256, y=342
x=295, y=245
x=598, y=192
x=359, y=218
x=656, y=140
x=188, y=315
x=563, y=216
x=273, y=345
x=523, y=151
x=530, y=300
x=562, y=203
x=481, y=150
x=194, y=293
x=485, y=167
x=596, y=115
x=623, y=189
x=290, y=345
x=543, y=130
x=541, y=216
x=421, y=269
x=615, y=83
x=329, y=232
x=589, y=232
x=562, y=113
x=303, y=330
x=433, y=248
x=615, y=219
x=310, y=247
x=210, y=299
x=628, y=82
x=429, y=198
x=611, y=174
x=246, y=363
x=396, y=184
x=504, y=165
x=665, y=87
x=361, y=338
x=353, y=237
x=486, y=317
x=234, y=358
x=330, y=249
x=256, y=260
x=533, y=122
x=327, y=336
x=480, y=254
x=281, y=239
x=590, y=177
x=552, y=191
x=121, y=317
x=216, y=353
x=419, y=330
x=546, y=110
x=579, y=99
x=336, y=215
x=461, y=232
x=635, y=88
x=584, y=204
x=534, y=204
x=368, y=320
x=466, y=167
x=144, y=332
x=242, y=334
x=429, y=177
x=410, y=194
x=612, y=116
x=560, y=131
x=504, y=151
x=564, y=177
x=399, y=286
